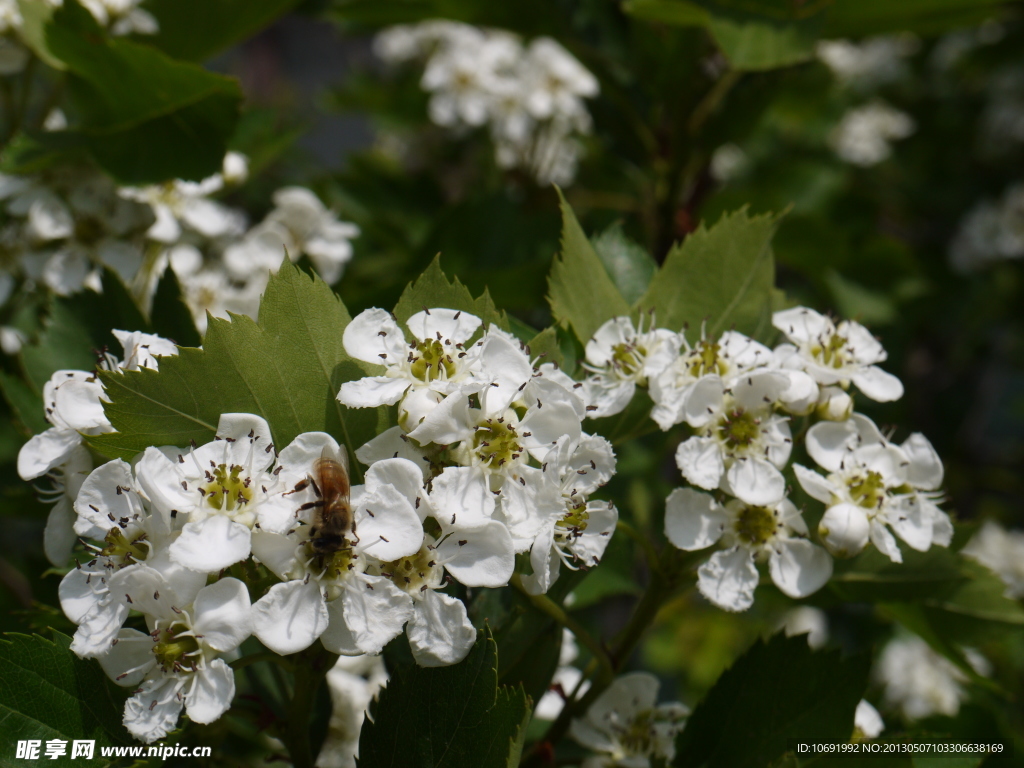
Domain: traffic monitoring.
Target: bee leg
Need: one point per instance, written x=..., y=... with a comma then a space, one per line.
x=311, y=504
x=316, y=488
x=300, y=486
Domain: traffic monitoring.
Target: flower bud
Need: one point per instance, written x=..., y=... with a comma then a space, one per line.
x=844, y=530
x=834, y=404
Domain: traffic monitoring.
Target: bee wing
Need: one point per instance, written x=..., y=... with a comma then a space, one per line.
x=339, y=457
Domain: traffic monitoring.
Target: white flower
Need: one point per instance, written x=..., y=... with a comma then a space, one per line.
x=177, y=663
x=627, y=725
x=436, y=360
x=921, y=682
x=870, y=63
x=579, y=537
x=806, y=620
x=298, y=224
x=989, y=232
x=216, y=488
x=354, y=681
x=59, y=535
x=776, y=532
x=864, y=134
x=873, y=484
x=867, y=723
x=741, y=443
x=834, y=354
x=327, y=592
x=620, y=357
x=732, y=356
x=1000, y=551
x=112, y=508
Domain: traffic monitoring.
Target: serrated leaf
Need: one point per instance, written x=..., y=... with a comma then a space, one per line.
x=143, y=116
x=723, y=274
x=545, y=348
x=447, y=717
x=777, y=691
x=872, y=577
x=580, y=291
x=434, y=289
x=46, y=692
x=287, y=368
x=628, y=263
x=170, y=316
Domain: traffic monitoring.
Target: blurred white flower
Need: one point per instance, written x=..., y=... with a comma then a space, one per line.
x=865, y=134
x=1002, y=552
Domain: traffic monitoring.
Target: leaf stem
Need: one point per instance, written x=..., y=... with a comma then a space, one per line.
x=555, y=611
x=310, y=668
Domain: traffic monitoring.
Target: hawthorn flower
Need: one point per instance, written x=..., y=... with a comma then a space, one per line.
x=835, y=354
x=864, y=135
x=627, y=726
x=872, y=486
x=748, y=533
x=326, y=592
x=867, y=723
x=435, y=361
x=298, y=224
x=729, y=358
x=122, y=17
x=1002, y=552
x=354, y=682
x=177, y=664
x=619, y=358
x=113, y=509
x=579, y=537
x=741, y=442
x=216, y=488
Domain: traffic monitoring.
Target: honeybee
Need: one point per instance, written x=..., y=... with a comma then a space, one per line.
x=333, y=520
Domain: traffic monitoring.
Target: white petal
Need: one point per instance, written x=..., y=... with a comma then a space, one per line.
x=222, y=614
x=212, y=544
x=704, y=400
x=508, y=367
x=440, y=632
x=481, y=557
x=373, y=333
x=877, y=384
x=208, y=218
x=77, y=594
x=145, y=590
x=693, y=520
x=393, y=443
x=375, y=610
x=461, y=498
x=799, y=568
x=755, y=389
x=387, y=525
x=830, y=442
x=867, y=720
x=45, y=451
x=911, y=523
x=607, y=397
x=290, y=617
x=700, y=461
x=755, y=481
x=59, y=535
x=601, y=347
x=372, y=391
x=212, y=692
x=546, y=424
x=160, y=480
x=275, y=551
x=801, y=324
x=885, y=542
x=98, y=629
x=153, y=712
x=133, y=654
x=80, y=404
x=925, y=470
x=728, y=579
x=337, y=638
x=234, y=429
x=403, y=475
x=815, y=485
x=448, y=423
x=453, y=325
x=545, y=563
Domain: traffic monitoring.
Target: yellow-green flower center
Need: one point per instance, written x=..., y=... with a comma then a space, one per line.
x=429, y=360
x=831, y=352
x=755, y=525
x=867, y=490
x=628, y=358
x=174, y=649
x=414, y=573
x=331, y=564
x=496, y=442
x=637, y=738
x=573, y=524
x=739, y=428
x=120, y=548
x=226, y=490
x=703, y=360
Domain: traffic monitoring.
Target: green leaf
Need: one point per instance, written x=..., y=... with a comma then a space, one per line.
x=678, y=12
x=197, y=29
x=628, y=263
x=872, y=577
x=450, y=717
x=777, y=691
x=170, y=315
x=26, y=403
x=144, y=116
x=287, y=368
x=580, y=291
x=926, y=17
x=434, y=289
x=78, y=326
x=46, y=692
x=724, y=275
x=546, y=348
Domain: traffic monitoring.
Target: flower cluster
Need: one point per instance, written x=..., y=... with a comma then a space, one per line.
x=737, y=397
x=990, y=232
x=865, y=134
x=531, y=97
